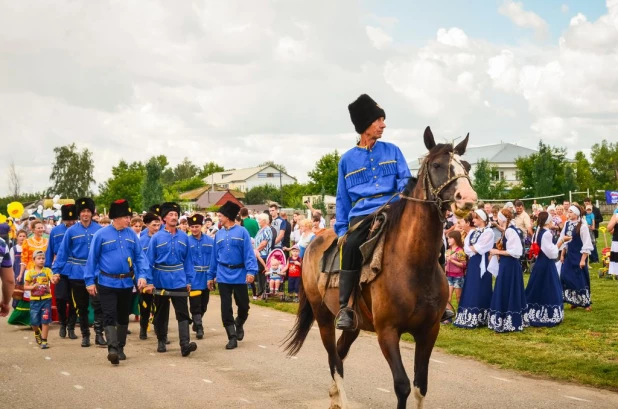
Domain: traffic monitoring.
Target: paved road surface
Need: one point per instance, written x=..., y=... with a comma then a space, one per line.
x=256, y=375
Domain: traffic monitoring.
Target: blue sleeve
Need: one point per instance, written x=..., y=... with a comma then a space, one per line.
x=93, y=259
x=140, y=263
x=49, y=253
x=250, y=260
x=212, y=268
x=151, y=254
x=189, y=268
x=63, y=254
x=344, y=203
x=403, y=171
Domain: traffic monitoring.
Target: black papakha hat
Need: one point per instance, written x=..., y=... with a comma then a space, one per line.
x=69, y=212
x=169, y=207
x=364, y=111
x=85, y=203
x=196, y=219
x=150, y=217
x=156, y=209
x=229, y=210
x=120, y=208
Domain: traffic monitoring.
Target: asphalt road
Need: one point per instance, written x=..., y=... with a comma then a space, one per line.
x=256, y=375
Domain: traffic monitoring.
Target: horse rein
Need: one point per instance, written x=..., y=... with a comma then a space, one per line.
x=435, y=191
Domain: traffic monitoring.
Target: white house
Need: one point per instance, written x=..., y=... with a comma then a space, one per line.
x=501, y=155
x=245, y=179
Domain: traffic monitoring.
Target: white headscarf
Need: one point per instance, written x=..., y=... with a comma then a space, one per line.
x=575, y=210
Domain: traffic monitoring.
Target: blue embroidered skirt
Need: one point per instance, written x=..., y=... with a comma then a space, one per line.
x=575, y=283
x=507, y=311
x=475, y=298
x=544, y=295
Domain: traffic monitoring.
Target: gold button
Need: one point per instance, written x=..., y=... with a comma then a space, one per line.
x=377, y=185
x=372, y=159
x=373, y=168
x=375, y=177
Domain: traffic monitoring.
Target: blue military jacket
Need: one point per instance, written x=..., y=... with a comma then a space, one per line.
x=368, y=178
x=170, y=259
x=55, y=240
x=232, y=248
x=201, y=253
x=73, y=254
x=114, y=252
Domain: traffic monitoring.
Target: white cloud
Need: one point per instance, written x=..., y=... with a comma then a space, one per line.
x=564, y=8
x=522, y=18
x=378, y=37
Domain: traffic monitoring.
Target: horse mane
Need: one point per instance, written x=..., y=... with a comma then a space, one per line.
x=396, y=209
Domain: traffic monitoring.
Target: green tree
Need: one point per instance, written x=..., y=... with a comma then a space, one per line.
x=542, y=173
x=280, y=168
x=263, y=194
x=293, y=195
x=569, y=180
x=125, y=183
x=185, y=170
x=324, y=175
x=172, y=192
x=167, y=176
x=152, y=189
x=210, y=168
x=583, y=172
x=72, y=172
x=605, y=165
x=483, y=179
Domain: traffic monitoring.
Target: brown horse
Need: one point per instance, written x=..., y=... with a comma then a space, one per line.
x=410, y=294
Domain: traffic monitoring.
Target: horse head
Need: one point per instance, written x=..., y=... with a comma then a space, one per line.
x=444, y=176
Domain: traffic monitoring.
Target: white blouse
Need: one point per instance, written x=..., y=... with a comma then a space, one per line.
x=584, y=234
x=482, y=246
x=547, y=245
x=513, y=243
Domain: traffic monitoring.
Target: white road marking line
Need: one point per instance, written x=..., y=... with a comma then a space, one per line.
x=213, y=329
x=293, y=357
x=48, y=358
x=501, y=379
x=262, y=346
x=435, y=360
x=78, y=387
x=574, y=398
x=65, y=373
x=172, y=364
x=26, y=337
x=207, y=380
x=383, y=390
x=225, y=369
x=244, y=400
x=152, y=353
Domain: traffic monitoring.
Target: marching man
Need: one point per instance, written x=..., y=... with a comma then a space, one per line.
x=201, y=252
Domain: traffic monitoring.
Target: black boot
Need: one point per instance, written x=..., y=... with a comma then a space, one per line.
x=63, y=330
x=99, y=339
x=231, y=336
x=199, y=328
x=143, y=333
x=112, y=344
x=348, y=280
x=71, y=326
x=122, y=340
x=85, y=341
x=240, y=331
x=161, y=346
x=186, y=346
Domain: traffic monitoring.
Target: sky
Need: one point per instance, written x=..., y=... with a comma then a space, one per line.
x=241, y=83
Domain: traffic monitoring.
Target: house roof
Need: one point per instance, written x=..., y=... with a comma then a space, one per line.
x=237, y=175
x=209, y=199
x=498, y=153
x=193, y=194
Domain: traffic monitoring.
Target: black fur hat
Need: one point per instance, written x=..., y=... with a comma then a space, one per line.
x=196, y=219
x=120, y=208
x=169, y=207
x=229, y=210
x=150, y=217
x=363, y=112
x=156, y=209
x=69, y=212
x=85, y=203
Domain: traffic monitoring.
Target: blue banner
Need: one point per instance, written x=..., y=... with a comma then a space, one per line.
x=611, y=196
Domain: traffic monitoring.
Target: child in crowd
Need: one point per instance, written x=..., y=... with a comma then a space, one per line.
x=137, y=225
x=456, y=261
x=294, y=272
x=105, y=221
x=38, y=281
x=274, y=275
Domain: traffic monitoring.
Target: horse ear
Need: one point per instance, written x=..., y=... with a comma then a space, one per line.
x=460, y=149
x=428, y=137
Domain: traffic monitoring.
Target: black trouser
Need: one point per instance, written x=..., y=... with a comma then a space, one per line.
x=81, y=298
x=351, y=257
x=199, y=303
x=162, y=312
x=241, y=297
x=116, y=305
x=63, y=301
x=145, y=306
x=261, y=278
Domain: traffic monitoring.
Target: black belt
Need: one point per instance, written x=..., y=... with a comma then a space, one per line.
x=126, y=275
x=233, y=265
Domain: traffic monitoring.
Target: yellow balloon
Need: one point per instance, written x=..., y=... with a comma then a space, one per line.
x=15, y=209
x=2, y=218
x=602, y=229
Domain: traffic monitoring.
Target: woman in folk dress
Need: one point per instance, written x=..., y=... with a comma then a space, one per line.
x=613, y=256
x=507, y=311
x=574, y=257
x=473, y=308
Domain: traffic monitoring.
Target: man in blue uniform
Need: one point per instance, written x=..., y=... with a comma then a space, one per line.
x=63, y=287
x=233, y=264
x=201, y=252
x=116, y=263
x=153, y=225
x=71, y=261
x=370, y=174
x=172, y=269
x=155, y=209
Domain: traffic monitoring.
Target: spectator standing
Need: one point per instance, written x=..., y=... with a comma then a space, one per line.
x=522, y=219
x=8, y=278
x=613, y=256
x=293, y=270
x=598, y=219
x=38, y=281
x=248, y=223
x=279, y=224
x=455, y=265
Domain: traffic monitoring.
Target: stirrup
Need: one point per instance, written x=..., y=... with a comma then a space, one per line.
x=354, y=318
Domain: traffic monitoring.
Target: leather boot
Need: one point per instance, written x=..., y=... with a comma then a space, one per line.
x=112, y=344
x=240, y=331
x=348, y=280
x=63, y=330
x=99, y=339
x=186, y=346
x=231, y=336
x=122, y=331
x=143, y=333
x=199, y=328
x=86, y=341
x=71, y=326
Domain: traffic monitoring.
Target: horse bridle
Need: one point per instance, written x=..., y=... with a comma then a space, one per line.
x=435, y=191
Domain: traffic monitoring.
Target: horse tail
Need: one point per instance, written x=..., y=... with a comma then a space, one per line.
x=304, y=321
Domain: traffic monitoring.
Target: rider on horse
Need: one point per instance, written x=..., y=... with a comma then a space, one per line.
x=370, y=175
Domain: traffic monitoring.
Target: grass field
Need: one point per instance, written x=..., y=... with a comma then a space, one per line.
x=583, y=349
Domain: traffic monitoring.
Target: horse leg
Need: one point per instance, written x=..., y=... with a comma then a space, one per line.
x=389, y=343
x=425, y=340
x=326, y=321
x=345, y=341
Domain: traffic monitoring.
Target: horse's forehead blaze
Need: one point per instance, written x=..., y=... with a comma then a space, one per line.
x=458, y=168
